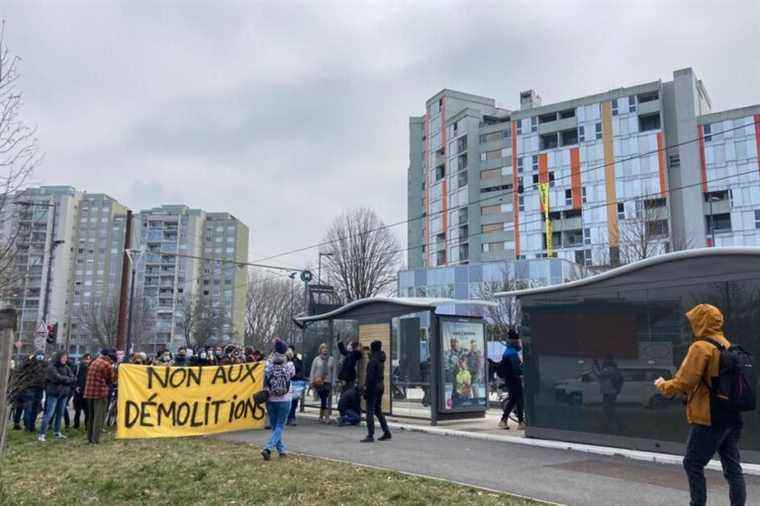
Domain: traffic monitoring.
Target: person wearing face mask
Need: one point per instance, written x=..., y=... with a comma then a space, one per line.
x=59, y=381
x=33, y=375
x=181, y=360
x=200, y=359
x=321, y=379
x=165, y=358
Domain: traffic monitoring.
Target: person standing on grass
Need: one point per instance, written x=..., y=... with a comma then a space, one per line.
x=58, y=385
x=373, y=393
x=80, y=405
x=277, y=375
x=100, y=375
x=321, y=380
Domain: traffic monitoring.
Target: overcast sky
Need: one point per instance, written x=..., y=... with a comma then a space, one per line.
x=287, y=116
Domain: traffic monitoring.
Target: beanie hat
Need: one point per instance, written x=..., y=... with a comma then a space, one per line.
x=280, y=346
x=376, y=346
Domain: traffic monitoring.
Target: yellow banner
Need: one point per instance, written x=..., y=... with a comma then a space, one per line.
x=543, y=189
x=188, y=401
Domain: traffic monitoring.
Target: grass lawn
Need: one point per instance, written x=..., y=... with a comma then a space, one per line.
x=203, y=471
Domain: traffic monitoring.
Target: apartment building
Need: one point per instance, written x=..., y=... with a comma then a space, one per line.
x=604, y=179
x=179, y=281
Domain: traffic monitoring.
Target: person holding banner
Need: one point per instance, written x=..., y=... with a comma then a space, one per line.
x=277, y=375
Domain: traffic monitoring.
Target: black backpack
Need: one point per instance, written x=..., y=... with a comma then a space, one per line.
x=735, y=388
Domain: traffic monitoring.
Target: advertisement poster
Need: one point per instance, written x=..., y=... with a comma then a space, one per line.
x=464, y=372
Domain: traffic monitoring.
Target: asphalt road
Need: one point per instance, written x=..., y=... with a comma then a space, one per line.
x=561, y=476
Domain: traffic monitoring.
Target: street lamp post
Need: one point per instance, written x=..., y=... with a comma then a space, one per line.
x=319, y=273
x=710, y=200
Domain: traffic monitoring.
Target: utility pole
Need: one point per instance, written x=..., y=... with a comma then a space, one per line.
x=124, y=303
x=133, y=260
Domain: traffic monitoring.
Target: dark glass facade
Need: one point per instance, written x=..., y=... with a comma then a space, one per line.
x=632, y=322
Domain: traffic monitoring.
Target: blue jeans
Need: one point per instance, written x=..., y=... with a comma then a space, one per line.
x=278, y=414
x=703, y=443
x=54, y=407
x=32, y=400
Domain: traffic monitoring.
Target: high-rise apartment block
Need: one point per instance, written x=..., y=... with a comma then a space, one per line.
x=178, y=278
x=600, y=180
x=68, y=250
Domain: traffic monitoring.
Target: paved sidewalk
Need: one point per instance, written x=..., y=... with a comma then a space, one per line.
x=562, y=476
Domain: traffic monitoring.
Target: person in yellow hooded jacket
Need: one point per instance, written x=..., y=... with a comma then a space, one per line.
x=711, y=430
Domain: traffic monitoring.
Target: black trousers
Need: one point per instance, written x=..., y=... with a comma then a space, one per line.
x=375, y=409
x=80, y=406
x=703, y=443
x=515, y=388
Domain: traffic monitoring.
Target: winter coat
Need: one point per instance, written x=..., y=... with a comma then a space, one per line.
x=375, y=373
x=350, y=400
x=511, y=363
x=81, y=376
x=700, y=365
x=298, y=365
x=60, y=379
x=324, y=368
x=348, y=368
x=33, y=374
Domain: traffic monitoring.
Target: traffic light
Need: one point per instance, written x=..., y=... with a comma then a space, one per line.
x=52, y=333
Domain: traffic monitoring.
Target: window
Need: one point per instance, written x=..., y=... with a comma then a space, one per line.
x=674, y=161
x=614, y=107
x=708, y=130
x=719, y=223
x=547, y=118
x=490, y=210
x=649, y=122
x=489, y=174
x=569, y=137
x=519, y=164
x=581, y=134
x=757, y=219
x=548, y=141
x=534, y=163
x=586, y=236
x=621, y=211
x=567, y=113
x=521, y=203
x=598, y=128
x=568, y=197
x=631, y=104
x=648, y=97
x=583, y=193
x=657, y=228
x=534, y=124
x=535, y=181
x=440, y=172
x=492, y=227
x=462, y=179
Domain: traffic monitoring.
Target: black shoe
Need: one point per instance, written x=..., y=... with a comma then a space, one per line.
x=368, y=439
x=283, y=455
x=266, y=454
x=16, y=426
x=385, y=437
x=76, y=426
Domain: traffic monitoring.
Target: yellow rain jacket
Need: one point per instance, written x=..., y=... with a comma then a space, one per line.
x=700, y=365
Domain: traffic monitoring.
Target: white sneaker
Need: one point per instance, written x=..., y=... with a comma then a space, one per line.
x=41, y=438
x=58, y=435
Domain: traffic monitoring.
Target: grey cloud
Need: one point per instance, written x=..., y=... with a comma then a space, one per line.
x=286, y=115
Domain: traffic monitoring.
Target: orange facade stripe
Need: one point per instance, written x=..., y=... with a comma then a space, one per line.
x=575, y=178
x=661, y=162
x=515, y=190
x=702, y=163
x=756, y=117
x=543, y=175
x=609, y=175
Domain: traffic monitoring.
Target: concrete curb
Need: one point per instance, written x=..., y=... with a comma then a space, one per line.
x=657, y=458
x=607, y=451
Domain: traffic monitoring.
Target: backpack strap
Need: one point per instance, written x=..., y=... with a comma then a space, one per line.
x=714, y=343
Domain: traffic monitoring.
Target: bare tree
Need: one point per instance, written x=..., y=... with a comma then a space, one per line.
x=98, y=322
x=201, y=322
x=271, y=304
x=363, y=255
x=19, y=155
x=506, y=314
x=646, y=234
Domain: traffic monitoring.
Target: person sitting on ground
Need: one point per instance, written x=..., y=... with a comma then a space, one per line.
x=349, y=407
x=58, y=387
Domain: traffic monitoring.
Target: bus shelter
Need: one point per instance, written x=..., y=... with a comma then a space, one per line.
x=435, y=350
x=593, y=347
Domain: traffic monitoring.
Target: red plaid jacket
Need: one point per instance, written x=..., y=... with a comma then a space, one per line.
x=99, y=376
